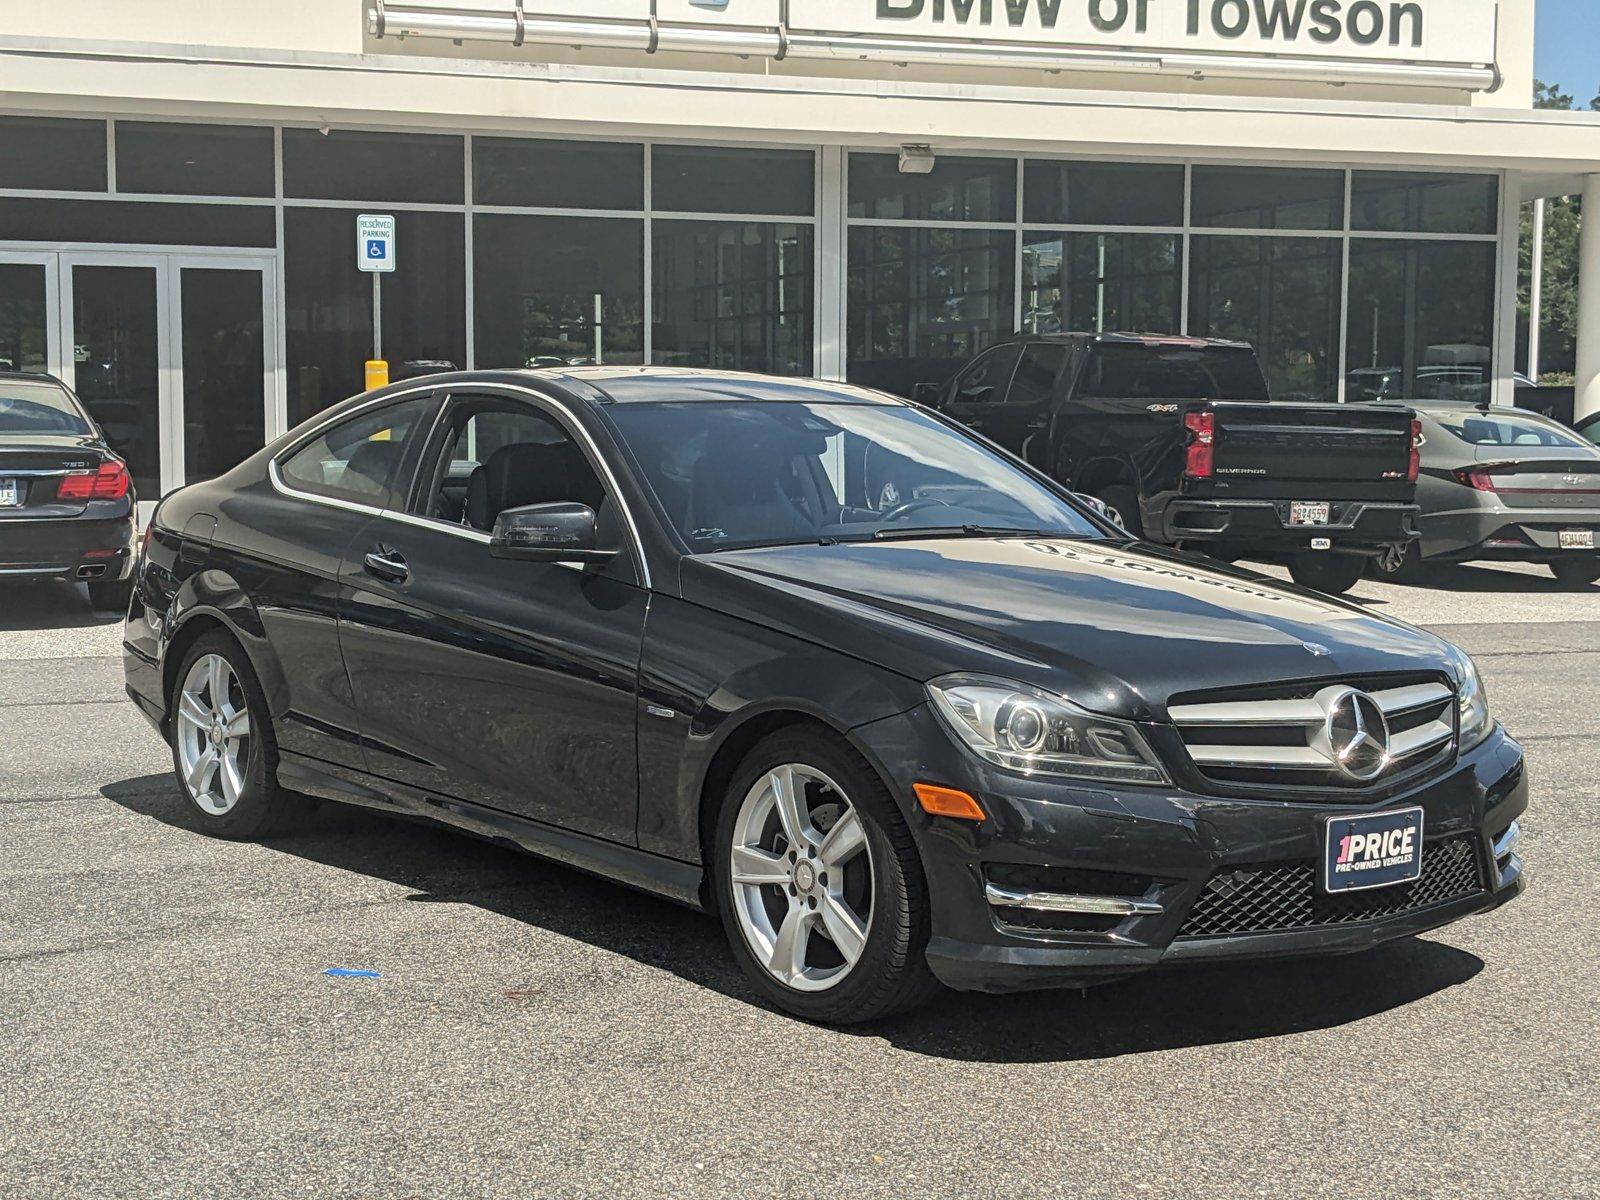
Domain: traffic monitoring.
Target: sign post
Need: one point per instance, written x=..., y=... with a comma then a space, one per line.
x=375, y=255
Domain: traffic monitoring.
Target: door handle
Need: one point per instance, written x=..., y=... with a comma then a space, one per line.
x=386, y=564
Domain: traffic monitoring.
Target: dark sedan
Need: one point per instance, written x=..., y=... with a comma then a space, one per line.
x=659, y=625
x=1504, y=485
x=66, y=500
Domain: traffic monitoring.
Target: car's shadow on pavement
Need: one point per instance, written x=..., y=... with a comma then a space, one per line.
x=52, y=605
x=1163, y=1010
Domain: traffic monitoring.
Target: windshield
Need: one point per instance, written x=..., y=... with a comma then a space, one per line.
x=1483, y=429
x=739, y=474
x=37, y=406
x=1158, y=372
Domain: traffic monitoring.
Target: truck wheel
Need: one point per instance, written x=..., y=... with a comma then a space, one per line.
x=1397, y=563
x=1327, y=572
x=1123, y=501
x=1576, y=572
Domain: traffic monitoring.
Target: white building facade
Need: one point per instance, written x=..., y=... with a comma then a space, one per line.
x=862, y=189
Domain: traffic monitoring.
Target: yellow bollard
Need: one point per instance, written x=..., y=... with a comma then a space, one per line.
x=377, y=374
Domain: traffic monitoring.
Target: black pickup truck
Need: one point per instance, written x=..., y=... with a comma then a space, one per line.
x=1180, y=437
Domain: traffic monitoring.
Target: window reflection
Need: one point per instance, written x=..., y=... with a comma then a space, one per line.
x=958, y=189
x=1268, y=198
x=734, y=296
x=1421, y=320
x=1127, y=282
x=1072, y=193
x=923, y=301
x=1399, y=202
x=1279, y=294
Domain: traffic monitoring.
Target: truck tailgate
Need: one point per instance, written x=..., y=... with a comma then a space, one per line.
x=1307, y=444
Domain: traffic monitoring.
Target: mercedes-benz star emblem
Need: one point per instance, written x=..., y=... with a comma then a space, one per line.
x=1355, y=733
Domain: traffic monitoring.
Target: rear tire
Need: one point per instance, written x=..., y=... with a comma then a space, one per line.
x=111, y=596
x=223, y=749
x=1327, y=572
x=1124, y=501
x=1576, y=572
x=868, y=878
x=1397, y=568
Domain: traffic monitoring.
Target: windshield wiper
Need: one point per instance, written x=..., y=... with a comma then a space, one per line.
x=938, y=531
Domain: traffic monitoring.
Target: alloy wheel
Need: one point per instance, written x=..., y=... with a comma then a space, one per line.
x=802, y=877
x=213, y=734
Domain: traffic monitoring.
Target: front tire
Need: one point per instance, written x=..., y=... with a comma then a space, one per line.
x=223, y=749
x=819, y=883
x=1327, y=572
x=1576, y=572
x=1124, y=501
x=1398, y=564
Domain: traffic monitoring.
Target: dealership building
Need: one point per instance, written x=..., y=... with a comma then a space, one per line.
x=212, y=214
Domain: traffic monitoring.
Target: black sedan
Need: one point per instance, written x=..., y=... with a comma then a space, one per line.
x=658, y=625
x=66, y=500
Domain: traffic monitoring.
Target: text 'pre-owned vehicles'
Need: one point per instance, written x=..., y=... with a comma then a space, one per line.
x=1505, y=485
x=66, y=500
x=667, y=626
x=1180, y=438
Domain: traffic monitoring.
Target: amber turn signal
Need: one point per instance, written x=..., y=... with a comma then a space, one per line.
x=947, y=802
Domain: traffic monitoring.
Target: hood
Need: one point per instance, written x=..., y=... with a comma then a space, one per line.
x=1119, y=629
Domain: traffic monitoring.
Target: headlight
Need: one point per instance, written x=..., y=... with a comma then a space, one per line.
x=1024, y=729
x=1476, y=723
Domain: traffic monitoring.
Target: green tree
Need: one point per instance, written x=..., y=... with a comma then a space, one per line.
x=1559, y=311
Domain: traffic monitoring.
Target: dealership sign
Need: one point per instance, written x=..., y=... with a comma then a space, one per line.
x=1452, y=31
x=1449, y=43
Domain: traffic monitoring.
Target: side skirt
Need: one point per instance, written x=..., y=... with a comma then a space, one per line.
x=653, y=873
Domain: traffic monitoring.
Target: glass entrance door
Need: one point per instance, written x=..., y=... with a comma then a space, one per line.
x=175, y=355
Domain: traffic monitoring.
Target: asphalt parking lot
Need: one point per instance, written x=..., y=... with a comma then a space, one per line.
x=167, y=1029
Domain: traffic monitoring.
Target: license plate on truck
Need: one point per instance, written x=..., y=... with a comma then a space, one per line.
x=1310, y=512
x=1571, y=539
x=1378, y=850
x=10, y=493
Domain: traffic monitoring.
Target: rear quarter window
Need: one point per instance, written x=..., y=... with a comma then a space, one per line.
x=359, y=459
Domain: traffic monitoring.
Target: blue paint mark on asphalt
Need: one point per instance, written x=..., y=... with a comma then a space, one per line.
x=352, y=973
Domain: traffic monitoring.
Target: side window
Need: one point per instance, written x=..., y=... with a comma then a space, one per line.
x=1036, y=376
x=985, y=379
x=498, y=455
x=359, y=459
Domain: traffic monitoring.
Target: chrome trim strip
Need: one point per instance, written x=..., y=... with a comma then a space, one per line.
x=1293, y=758
x=1250, y=712
x=19, y=571
x=1424, y=737
x=19, y=473
x=1397, y=701
x=475, y=535
x=1105, y=906
x=1507, y=841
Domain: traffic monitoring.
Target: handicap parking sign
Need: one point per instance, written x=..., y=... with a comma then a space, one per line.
x=375, y=242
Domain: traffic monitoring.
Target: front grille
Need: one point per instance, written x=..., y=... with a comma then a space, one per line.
x=1283, y=896
x=1278, y=738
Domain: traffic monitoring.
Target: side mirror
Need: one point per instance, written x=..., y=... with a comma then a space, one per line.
x=926, y=393
x=1101, y=509
x=560, y=532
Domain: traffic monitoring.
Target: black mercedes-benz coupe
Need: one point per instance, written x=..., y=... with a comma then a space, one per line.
x=674, y=628
x=66, y=500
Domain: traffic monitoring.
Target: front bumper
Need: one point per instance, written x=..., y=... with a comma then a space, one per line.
x=1355, y=526
x=1193, y=856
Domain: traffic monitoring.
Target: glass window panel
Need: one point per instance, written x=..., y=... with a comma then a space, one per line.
x=24, y=318
x=1399, y=202
x=224, y=365
x=923, y=301
x=986, y=379
x=349, y=164
x=1421, y=320
x=542, y=282
x=1268, y=198
x=722, y=179
x=52, y=154
x=1279, y=294
x=1035, y=380
x=117, y=364
x=137, y=223
x=1100, y=282
x=959, y=189
x=544, y=173
x=425, y=298
x=194, y=160
x=1103, y=193
x=358, y=459
x=734, y=296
